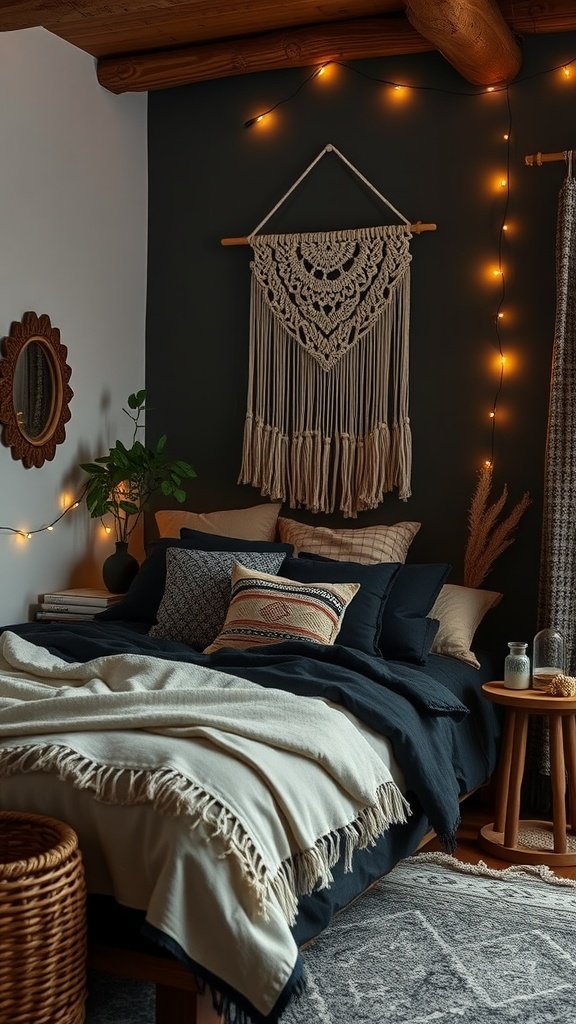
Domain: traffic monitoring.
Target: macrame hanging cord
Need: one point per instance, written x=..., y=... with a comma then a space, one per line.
x=327, y=420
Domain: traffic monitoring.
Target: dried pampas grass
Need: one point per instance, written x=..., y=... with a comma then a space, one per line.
x=487, y=537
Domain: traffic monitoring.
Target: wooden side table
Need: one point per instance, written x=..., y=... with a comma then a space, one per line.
x=503, y=837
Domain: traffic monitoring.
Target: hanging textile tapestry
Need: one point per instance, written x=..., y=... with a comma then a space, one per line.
x=327, y=415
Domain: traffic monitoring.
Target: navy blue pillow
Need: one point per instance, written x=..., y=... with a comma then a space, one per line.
x=407, y=633
x=142, y=601
x=362, y=621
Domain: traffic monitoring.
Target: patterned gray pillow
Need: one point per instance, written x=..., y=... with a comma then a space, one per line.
x=197, y=591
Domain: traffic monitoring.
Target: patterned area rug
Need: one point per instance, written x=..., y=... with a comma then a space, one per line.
x=436, y=941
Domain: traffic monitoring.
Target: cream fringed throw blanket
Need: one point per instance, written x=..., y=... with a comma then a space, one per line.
x=326, y=781
x=327, y=412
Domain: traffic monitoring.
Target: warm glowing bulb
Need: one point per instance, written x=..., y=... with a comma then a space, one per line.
x=108, y=529
x=75, y=505
x=492, y=415
x=487, y=463
x=503, y=360
x=491, y=88
x=320, y=71
x=500, y=316
x=567, y=72
x=50, y=529
x=397, y=87
x=503, y=182
x=497, y=272
x=28, y=536
x=504, y=227
x=505, y=136
x=260, y=117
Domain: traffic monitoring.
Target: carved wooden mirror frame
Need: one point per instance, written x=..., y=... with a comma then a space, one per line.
x=34, y=450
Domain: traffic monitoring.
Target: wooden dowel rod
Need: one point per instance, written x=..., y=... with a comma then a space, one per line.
x=537, y=159
x=416, y=229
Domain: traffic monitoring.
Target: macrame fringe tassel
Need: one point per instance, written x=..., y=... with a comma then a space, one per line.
x=173, y=794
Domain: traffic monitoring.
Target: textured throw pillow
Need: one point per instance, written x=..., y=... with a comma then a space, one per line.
x=460, y=611
x=142, y=601
x=255, y=523
x=197, y=592
x=408, y=630
x=362, y=622
x=266, y=609
x=366, y=545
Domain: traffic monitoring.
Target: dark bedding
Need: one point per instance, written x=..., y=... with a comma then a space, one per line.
x=443, y=732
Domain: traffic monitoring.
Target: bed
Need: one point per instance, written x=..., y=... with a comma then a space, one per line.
x=178, y=862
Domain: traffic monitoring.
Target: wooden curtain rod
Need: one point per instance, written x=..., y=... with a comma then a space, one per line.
x=546, y=158
x=416, y=229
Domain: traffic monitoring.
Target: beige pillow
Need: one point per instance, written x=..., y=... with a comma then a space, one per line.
x=460, y=611
x=255, y=523
x=368, y=544
x=267, y=609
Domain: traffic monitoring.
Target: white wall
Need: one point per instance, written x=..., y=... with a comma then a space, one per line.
x=73, y=233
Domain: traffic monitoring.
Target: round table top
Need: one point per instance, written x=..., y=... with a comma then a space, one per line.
x=534, y=701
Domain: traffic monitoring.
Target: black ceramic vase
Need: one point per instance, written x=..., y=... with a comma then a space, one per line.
x=119, y=569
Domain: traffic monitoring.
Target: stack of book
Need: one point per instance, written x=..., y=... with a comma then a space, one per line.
x=77, y=605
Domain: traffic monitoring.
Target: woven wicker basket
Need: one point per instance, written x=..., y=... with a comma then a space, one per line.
x=42, y=922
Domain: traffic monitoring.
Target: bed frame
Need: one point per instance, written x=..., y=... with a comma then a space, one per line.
x=178, y=1000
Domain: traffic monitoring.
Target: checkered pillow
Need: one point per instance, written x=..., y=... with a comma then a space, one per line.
x=367, y=545
x=197, y=591
x=267, y=609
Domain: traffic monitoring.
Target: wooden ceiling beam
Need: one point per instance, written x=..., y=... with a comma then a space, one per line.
x=472, y=35
x=527, y=17
x=17, y=14
x=300, y=47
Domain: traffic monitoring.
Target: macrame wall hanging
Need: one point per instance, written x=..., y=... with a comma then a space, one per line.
x=327, y=421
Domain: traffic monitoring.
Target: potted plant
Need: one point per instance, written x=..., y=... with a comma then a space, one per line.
x=121, y=484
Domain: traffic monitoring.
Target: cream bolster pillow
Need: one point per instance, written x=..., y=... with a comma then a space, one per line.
x=266, y=609
x=460, y=611
x=255, y=523
x=369, y=544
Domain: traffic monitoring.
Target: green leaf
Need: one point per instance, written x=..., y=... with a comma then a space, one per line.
x=161, y=443
x=129, y=507
x=140, y=397
x=132, y=401
x=166, y=487
x=180, y=495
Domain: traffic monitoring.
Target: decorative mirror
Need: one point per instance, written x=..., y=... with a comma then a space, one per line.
x=34, y=390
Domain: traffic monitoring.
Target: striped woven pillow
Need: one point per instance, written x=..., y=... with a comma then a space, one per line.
x=367, y=544
x=267, y=609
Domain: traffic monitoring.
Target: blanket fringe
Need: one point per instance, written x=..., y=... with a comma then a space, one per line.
x=173, y=794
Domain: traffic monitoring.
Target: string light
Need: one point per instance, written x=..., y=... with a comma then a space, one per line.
x=49, y=528
x=566, y=69
x=498, y=273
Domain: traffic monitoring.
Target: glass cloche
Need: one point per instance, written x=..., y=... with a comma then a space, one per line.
x=548, y=658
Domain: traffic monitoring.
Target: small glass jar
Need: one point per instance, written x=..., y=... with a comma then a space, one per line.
x=548, y=657
x=517, y=667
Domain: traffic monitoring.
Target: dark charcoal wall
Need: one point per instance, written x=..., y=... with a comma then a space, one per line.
x=435, y=156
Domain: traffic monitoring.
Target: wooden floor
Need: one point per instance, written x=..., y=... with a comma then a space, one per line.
x=469, y=850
